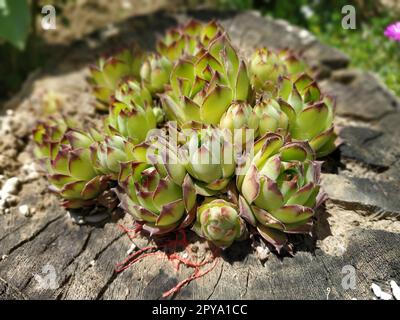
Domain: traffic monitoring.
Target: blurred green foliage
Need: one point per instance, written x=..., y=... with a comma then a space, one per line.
x=17, y=44
x=236, y=4
x=367, y=46
x=22, y=47
x=15, y=21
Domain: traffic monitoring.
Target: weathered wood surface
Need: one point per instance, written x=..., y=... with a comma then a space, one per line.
x=84, y=257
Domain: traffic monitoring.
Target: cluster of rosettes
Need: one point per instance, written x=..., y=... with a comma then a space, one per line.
x=196, y=136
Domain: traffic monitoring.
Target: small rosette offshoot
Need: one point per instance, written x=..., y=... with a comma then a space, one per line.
x=242, y=121
x=159, y=200
x=310, y=114
x=131, y=113
x=301, y=111
x=48, y=136
x=204, y=86
x=267, y=66
x=71, y=168
x=188, y=39
x=209, y=155
x=271, y=117
x=218, y=221
x=110, y=71
x=108, y=153
x=155, y=72
x=279, y=188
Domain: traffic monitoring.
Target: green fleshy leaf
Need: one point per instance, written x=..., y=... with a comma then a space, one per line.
x=292, y=213
x=215, y=104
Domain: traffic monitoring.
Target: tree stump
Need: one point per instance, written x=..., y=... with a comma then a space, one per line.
x=359, y=226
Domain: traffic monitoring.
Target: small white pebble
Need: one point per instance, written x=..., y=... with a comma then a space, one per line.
x=379, y=293
x=131, y=249
x=386, y=296
x=341, y=249
x=395, y=289
x=10, y=186
x=110, y=30
x=92, y=263
x=185, y=255
x=376, y=289
x=81, y=221
x=304, y=34
x=7, y=211
x=29, y=171
x=4, y=256
x=289, y=28
x=10, y=112
x=24, y=210
x=126, y=5
x=34, y=175
x=262, y=252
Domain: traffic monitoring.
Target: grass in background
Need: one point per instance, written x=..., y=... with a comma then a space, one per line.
x=367, y=46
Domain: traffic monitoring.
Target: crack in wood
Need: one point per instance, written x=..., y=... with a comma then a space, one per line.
x=12, y=231
x=62, y=291
x=247, y=282
x=114, y=275
x=34, y=235
x=217, y=282
x=8, y=285
x=97, y=255
x=106, y=286
x=83, y=249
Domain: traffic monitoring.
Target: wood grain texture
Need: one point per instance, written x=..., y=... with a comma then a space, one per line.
x=84, y=257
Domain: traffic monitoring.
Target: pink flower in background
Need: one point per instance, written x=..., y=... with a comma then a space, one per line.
x=393, y=31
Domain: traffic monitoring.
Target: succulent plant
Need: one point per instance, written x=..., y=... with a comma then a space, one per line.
x=204, y=86
x=52, y=102
x=209, y=156
x=271, y=117
x=131, y=114
x=110, y=152
x=73, y=174
x=266, y=66
x=109, y=72
x=130, y=91
x=310, y=114
x=242, y=121
x=161, y=201
x=219, y=222
x=174, y=136
x=280, y=188
x=155, y=72
x=47, y=136
x=188, y=39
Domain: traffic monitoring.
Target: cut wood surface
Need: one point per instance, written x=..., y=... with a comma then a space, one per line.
x=361, y=179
